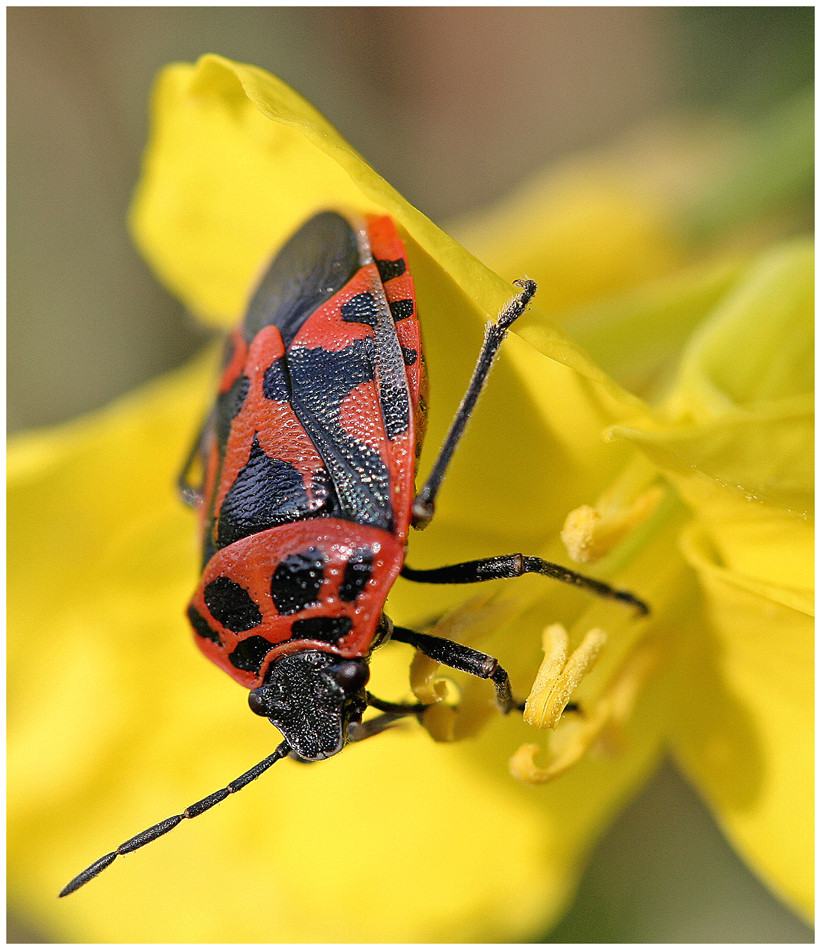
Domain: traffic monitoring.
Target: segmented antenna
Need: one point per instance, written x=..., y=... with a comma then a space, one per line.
x=162, y=827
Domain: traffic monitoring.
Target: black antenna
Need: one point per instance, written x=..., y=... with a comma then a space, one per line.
x=156, y=831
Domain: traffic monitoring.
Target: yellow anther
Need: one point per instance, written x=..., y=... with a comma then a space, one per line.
x=599, y=726
x=577, y=744
x=439, y=718
x=440, y=721
x=559, y=675
x=623, y=693
x=589, y=533
x=427, y=688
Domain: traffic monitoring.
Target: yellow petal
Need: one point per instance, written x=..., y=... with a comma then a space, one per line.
x=231, y=169
x=747, y=741
x=757, y=346
x=747, y=480
x=637, y=336
x=582, y=231
x=736, y=440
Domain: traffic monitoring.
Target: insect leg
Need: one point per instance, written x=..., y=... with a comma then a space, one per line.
x=357, y=731
x=390, y=714
x=515, y=565
x=462, y=658
x=190, y=494
x=396, y=709
x=424, y=503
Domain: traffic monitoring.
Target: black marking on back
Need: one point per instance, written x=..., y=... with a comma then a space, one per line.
x=322, y=380
x=315, y=263
x=275, y=382
x=231, y=605
x=395, y=412
x=296, y=581
x=265, y=493
x=201, y=626
x=328, y=629
x=409, y=355
x=249, y=654
x=357, y=573
x=390, y=269
x=401, y=309
x=361, y=309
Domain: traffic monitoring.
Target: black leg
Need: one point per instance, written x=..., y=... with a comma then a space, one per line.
x=192, y=494
x=396, y=709
x=462, y=658
x=424, y=503
x=391, y=713
x=515, y=565
x=357, y=731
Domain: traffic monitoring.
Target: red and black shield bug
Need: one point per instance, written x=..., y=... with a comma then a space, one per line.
x=305, y=493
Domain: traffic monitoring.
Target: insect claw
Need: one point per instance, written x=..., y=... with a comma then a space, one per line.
x=422, y=513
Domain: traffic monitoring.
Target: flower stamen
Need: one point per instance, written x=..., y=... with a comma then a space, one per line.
x=589, y=532
x=559, y=675
x=592, y=531
x=599, y=725
x=439, y=719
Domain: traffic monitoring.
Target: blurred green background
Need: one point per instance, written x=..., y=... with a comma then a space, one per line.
x=453, y=106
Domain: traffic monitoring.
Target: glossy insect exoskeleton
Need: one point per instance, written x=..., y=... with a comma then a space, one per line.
x=305, y=491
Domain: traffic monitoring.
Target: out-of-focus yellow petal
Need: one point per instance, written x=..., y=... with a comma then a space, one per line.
x=757, y=347
x=739, y=446
x=735, y=438
x=637, y=336
x=746, y=739
x=745, y=478
x=582, y=231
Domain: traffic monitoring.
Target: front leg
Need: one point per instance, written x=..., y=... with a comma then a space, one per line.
x=424, y=503
x=462, y=658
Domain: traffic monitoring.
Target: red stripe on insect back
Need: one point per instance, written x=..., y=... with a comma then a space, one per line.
x=391, y=259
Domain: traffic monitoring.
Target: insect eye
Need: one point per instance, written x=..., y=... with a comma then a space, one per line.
x=256, y=700
x=352, y=675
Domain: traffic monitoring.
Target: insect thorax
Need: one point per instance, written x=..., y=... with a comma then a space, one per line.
x=319, y=585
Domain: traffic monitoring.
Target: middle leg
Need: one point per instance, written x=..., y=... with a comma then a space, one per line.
x=515, y=565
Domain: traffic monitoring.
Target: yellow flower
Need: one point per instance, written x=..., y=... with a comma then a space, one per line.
x=699, y=374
